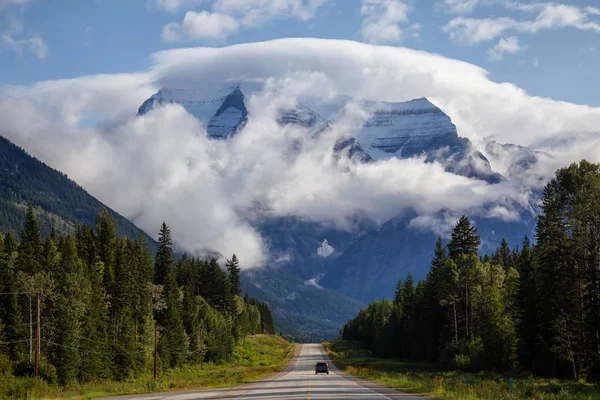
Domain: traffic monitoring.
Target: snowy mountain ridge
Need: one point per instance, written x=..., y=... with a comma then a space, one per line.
x=401, y=129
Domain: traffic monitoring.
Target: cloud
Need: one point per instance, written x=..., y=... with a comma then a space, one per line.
x=255, y=12
x=228, y=16
x=164, y=167
x=549, y=16
x=200, y=25
x=174, y=5
x=4, y=4
x=590, y=49
x=383, y=20
x=34, y=44
x=461, y=6
x=504, y=46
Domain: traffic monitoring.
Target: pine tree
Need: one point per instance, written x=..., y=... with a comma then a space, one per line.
x=10, y=313
x=464, y=239
x=233, y=269
x=438, y=317
x=50, y=255
x=173, y=342
x=106, y=239
x=503, y=255
x=71, y=300
x=98, y=360
x=164, y=255
x=29, y=259
x=527, y=303
x=123, y=324
x=556, y=286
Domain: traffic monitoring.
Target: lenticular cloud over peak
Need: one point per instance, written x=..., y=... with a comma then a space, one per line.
x=292, y=141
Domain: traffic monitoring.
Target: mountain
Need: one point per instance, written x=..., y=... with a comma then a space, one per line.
x=58, y=201
x=403, y=130
x=365, y=261
x=370, y=268
x=300, y=308
x=295, y=244
x=419, y=128
x=224, y=112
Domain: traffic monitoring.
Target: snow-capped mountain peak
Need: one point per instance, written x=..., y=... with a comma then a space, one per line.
x=402, y=129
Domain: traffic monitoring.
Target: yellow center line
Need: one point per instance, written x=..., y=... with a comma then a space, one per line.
x=309, y=357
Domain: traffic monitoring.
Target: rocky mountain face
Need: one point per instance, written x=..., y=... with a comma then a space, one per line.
x=364, y=262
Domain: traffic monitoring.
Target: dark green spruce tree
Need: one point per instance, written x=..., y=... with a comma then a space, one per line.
x=233, y=269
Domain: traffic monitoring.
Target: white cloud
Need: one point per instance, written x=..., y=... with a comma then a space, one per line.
x=34, y=44
x=200, y=25
x=590, y=49
x=252, y=13
x=550, y=16
x=7, y=3
x=163, y=167
x=174, y=5
x=383, y=20
x=228, y=16
x=461, y=6
x=535, y=61
x=504, y=46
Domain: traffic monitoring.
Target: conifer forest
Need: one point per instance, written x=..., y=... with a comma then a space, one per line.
x=533, y=309
x=92, y=306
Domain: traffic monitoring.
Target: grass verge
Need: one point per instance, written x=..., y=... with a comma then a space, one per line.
x=431, y=381
x=258, y=357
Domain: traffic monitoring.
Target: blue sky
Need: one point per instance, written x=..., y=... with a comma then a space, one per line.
x=548, y=49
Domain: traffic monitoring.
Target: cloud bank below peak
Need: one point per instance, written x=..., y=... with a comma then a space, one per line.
x=163, y=166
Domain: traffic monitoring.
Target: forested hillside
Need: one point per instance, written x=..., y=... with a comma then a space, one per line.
x=532, y=309
x=103, y=299
x=58, y=201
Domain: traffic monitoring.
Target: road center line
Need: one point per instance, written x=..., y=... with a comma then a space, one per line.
x=309, y=357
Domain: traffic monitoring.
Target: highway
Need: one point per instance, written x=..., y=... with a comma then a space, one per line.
x=296, y=381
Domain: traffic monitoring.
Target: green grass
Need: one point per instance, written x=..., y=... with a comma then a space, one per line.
x=258, y=357
x=434, y=382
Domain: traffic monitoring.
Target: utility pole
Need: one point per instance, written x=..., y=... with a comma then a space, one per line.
x=37, y=337
x=155, y=353
x=30, y=330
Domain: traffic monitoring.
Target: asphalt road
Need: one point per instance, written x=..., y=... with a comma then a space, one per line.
x=296, y=381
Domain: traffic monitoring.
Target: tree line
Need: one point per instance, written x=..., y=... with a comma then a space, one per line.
x=533, y=309
x=105, y=298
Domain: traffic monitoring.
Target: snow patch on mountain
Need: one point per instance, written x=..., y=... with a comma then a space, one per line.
x=325, y=250
x=314, y=281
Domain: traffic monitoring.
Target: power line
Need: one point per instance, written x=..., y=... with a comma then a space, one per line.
x=116, y=354
x=15, y=341
x=94, y=351
x=13, y=293
x=18, y=325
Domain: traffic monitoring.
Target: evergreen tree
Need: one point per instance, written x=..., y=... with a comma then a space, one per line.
x=97, y=362
x=173, y=342
x=29, y=258
x=527, y=302
x=164, y=255
x=10, y=313
x=233, y=269
x=464, y=239
x=71, y=300
x=106, y=244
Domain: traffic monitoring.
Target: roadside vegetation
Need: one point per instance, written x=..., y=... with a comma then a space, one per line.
x=99, y=308
x=433, y=381
x=261, y=355
x=528, y=311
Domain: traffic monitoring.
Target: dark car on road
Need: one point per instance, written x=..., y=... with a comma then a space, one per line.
x=321, y=367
